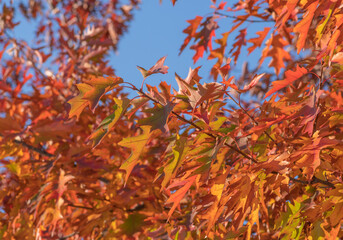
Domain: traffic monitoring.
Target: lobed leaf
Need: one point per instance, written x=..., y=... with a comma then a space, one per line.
x=90, y=93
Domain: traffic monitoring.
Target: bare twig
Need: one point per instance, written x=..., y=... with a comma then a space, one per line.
x=68, y=236
x=327, y=183
x=35, y=149
x=314, y=180
x=79, y=206
x=242, y=19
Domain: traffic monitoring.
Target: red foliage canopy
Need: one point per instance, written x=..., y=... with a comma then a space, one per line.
x=80, y=160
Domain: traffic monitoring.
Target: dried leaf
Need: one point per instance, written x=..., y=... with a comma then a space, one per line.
x=157, y=68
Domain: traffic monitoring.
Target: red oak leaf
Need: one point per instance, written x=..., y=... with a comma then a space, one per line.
x=291, y=76
x=157, y=68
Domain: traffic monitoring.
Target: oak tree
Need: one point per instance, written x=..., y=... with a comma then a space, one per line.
x=255, y=156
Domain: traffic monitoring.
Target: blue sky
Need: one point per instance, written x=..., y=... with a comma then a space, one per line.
x=156, y=31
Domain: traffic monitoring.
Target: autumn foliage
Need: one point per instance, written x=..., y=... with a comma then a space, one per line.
x=254, y=156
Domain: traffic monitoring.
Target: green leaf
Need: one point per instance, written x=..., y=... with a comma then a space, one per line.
x=133, y=223
x=108, y=123
x=159, y=117
x=215, y=125
x=14, y=168
x=179, y=150
x=227, y=130
x=336, y=119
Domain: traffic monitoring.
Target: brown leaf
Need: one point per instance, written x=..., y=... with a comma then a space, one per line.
x=157, y=68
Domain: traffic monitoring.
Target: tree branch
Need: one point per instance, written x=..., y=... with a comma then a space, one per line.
x=79, y=206
x=314, y=179
x=327, y=183
x=251, y=117
x=68, y=236
x=197, y=127
x=240, y=19
x=35, y=149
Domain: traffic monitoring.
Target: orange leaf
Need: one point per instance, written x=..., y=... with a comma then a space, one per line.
x=286, y=12
x=303, y=26
x=217, y=191
x=176, y=197
x=190, y=31
x=308, y=157
x=240, y=41
x=100, y=86
x=257, y=42
x=291, y=76
x=276, y=50
x=204, y=38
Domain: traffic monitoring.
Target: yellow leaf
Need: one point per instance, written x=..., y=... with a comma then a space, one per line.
x=137, y=145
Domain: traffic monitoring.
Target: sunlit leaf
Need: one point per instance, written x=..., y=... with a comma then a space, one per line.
x=157, y=68
x=109, y=122
x=136, y=144
x=290, y=77
x=90, y=93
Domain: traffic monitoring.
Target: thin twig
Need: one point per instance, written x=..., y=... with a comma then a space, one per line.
x=317, y=180
x=197, y=127
x=79, y=206
x=314, y=180
x=251, y=117
x=38, y=150
x=68, y=236
x=241, y=19
x=297, y=180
